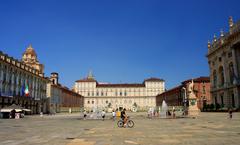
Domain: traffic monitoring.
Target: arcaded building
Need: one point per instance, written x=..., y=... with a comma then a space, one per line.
x=224, y=64
x=118, y=96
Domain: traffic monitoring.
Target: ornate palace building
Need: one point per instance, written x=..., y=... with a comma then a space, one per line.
x=118, y=96
x=21, y=83
x=179, y=95
x=224, y=63
x=62, y=99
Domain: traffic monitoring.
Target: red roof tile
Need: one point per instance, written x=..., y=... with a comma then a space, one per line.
x=86, y=80
x=153, y=80
x=199, y=79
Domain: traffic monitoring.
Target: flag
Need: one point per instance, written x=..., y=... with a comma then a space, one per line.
x=23, y=90
x=26, y=91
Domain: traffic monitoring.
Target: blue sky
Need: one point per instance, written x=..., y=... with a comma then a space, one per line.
x=121, y=41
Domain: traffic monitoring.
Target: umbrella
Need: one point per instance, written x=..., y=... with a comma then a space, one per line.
x=13, y=107
x=6, y=110
x=27, y=110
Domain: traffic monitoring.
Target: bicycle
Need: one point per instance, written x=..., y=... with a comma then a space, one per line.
x=129, y=123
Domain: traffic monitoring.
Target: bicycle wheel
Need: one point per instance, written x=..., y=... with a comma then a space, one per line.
x=120, y=123
x=130, y=123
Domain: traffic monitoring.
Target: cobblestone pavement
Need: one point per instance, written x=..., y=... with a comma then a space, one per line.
x=71, y=129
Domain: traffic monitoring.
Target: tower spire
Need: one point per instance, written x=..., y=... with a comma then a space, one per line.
x=90, y=75
x=30, y=46
x=222, y=34
x=209, y=44
x=214, y=38
x=230, y=21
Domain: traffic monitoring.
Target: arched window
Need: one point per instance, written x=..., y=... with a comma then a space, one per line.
x=214, y=78
x=231, y=72
x=221, y=76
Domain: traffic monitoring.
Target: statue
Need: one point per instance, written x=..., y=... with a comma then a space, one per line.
x=192, y=100
x=191, y=90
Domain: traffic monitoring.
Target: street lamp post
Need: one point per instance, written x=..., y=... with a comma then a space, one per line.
x=184, y=99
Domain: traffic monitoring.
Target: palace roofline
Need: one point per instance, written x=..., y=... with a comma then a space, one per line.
x=123, y=84
x=19, y=64
x=199, y=79
x=119, y=85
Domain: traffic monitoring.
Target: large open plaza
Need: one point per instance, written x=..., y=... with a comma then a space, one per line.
x=71, y=129
x=129, y=72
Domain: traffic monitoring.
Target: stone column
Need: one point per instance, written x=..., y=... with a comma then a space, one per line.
x=235, y=67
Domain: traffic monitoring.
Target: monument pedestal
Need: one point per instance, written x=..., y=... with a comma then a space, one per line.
x=193, y=110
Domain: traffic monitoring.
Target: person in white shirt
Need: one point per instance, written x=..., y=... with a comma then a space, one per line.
x=103, y=115
x=113, y=115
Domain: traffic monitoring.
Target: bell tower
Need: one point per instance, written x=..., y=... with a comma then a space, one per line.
x=54, y=78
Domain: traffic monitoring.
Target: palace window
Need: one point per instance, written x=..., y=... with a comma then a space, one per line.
x=222, y=100
x=219, y=59
x=204, y=90
x=229, y=54
x=233, y=101
x=231, y=73
x=88, y=102
x=214, y=78
x=92, y=102
x=221, y=76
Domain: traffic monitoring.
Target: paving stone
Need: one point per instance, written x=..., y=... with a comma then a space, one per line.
x=71, y=129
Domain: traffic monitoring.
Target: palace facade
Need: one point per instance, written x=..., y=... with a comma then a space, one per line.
x=139, y=96
x=178, y=96
x=62, y=99
x=22, y=84
x=224, y=63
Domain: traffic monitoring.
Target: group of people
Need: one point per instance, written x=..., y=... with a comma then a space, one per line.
x=103, y=114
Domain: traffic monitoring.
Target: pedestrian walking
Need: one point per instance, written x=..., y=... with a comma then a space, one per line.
x=84, y=114
x=113, y=115
x=230, y=113
x=103, y=115
x=173, y=112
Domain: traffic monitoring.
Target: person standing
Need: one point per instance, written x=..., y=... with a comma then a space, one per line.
x=230, y=113
x=103, y=115
x=113, y=115
x=84, y=114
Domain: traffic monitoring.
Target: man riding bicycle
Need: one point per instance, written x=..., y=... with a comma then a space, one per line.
x=124, y=117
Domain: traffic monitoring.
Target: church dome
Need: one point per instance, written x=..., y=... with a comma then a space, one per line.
x=30, y=51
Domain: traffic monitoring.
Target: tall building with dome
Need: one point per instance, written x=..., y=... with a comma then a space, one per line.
x=29, y=57
x=22, y=82
x=118, y=96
